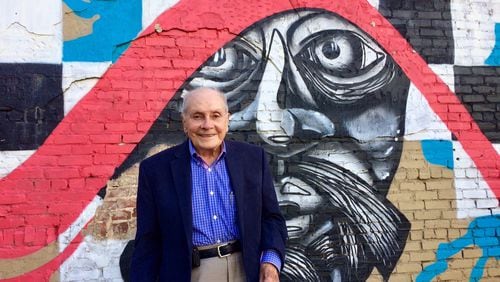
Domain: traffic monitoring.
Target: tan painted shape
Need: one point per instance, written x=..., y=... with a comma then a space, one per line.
x=10, y=268
x=74, y=26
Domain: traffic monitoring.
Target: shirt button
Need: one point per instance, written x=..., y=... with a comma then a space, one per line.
x=210, y=170
x=218, y=241
x=211, y=193
x=214, y=217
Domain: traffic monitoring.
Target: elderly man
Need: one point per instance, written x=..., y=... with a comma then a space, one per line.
x=207, y=209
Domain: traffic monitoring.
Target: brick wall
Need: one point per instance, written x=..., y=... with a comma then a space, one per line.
x=380, y=119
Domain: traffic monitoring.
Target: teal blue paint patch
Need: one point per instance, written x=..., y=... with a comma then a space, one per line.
x=438, y=152
x=494, y=58
x=474, y=236
x=119, y=23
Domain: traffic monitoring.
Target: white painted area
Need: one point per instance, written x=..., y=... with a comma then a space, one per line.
x=497, y=147
x=78, y=79
x=151, y=9
x=31, y=31
x=9, y=160
x=421, y=121
x=474, y=30
x=65, y=238
x=474, y=197
x=374, y=3
x=94, y=260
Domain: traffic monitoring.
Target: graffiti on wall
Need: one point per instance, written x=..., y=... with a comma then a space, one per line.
x=306, y=85
x=327, y=102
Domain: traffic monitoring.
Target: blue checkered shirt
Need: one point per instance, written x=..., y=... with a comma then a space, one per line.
x=214, y=206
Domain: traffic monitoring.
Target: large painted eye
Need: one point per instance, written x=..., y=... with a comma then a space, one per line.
x=230, y=67
x=342, y=65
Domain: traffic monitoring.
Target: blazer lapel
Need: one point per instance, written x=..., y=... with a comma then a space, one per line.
x=181, y=171
x=234, y=165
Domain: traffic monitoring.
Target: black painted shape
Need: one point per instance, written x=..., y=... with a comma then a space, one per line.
x=426, y=25
x=126, y=260
x=478, y=88
x=31, y=104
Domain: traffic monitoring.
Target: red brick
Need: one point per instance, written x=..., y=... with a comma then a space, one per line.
x=186, y=42
x=135, y=106
x=55, y=150
x=8, y=237
x=41, y=160
x=117, y=149
x=121, y=127
x=172, y=52
x=29, y=234
x=77, y=183
x=148, y=116
x=120, y=84
x=75, y=160
x=105, y=138
x=456, y=108
x=98, y=170
x=169, y=74
x=162, y=83
x=144, y=95
x=27, y=172
x=459, y=125
x=96, y=181
x=126, y=61
x=106, y=159
x=87, y=128
x=11, y=198
x=70, y=139
x=63, y=173
x=19, y=238
x=186, y=64
x=132, y=138
x=130, y=116
x=42, y=220
x=160, y=41
x=63, y=208
x=88, y=149
x=143, y=126
x=59, y=184
x=40, y=237
x=41, y=184
x=156, y=63
x=24, y=209
x=11, y=222
x=52, y=233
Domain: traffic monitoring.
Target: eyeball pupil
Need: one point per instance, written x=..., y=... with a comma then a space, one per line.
x=331, y=50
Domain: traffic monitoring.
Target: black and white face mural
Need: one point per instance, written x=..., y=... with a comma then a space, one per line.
x=328, y=105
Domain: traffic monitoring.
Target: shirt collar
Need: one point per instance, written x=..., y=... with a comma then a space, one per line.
x=192, y=152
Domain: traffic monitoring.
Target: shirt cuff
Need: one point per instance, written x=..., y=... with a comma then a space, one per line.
x=271, y=256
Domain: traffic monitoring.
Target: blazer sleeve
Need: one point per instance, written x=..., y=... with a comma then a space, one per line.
x=145, y=262
x=274, y=233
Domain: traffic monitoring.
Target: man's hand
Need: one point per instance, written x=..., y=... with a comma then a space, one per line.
x=268, y=273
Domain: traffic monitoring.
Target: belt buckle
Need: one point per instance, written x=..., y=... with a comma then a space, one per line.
x=218, y=250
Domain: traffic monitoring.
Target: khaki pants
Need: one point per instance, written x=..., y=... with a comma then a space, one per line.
x=216, y=269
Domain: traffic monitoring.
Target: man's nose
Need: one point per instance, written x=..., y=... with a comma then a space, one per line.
x=207, y=123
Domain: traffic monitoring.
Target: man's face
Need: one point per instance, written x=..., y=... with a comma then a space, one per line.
x=206, y=121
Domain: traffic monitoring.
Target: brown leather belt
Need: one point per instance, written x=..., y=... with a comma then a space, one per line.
x=221, y=251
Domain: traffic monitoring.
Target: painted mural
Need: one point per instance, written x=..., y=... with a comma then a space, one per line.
x=375, y=160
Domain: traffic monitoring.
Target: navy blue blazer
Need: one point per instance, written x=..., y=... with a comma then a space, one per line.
x=163, y=241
